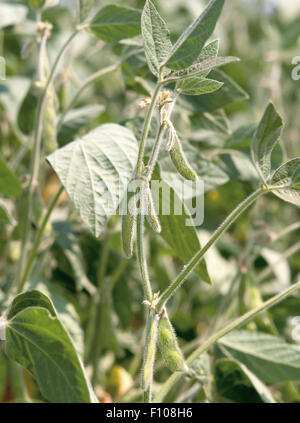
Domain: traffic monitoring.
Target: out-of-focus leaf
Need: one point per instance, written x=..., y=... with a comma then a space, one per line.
x=182, y=239
x=42, y=4
x=236, y=383
x=11, y=14
x=114, y=23
x=77, y=119
x=10, y=185
x=3, y=375
x=271, y=359
x=95, y=171
x=84, y=7
x=12, y=93
x=5, y=215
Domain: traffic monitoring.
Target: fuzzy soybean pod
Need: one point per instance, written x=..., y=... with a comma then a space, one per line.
x=49, y=128
x=168, y=345
x=151, y=215
x=150, y=350
x=180, y=161
x=128, y=226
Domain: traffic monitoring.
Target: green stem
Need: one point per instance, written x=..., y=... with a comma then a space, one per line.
x=142, y=257
x=83, y=86
x=233, y=325
x=146, y=127
x=35, y=160
x=38, y=239
x=97, y=332
x=187, y=270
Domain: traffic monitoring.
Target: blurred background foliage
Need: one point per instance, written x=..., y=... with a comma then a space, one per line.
x=249, y=263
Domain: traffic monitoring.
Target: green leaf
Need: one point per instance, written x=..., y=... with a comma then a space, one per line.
x=198, y=86
x=63, y=308
x=265, y=139
x=271, y=359
x=11, y=14
x=84, y=7
x=95, y=171
x=12, y=93
x=76, y=119
x=229, y=93
x=203, y=65
x=156, y=37
x=68, y=246
x=114, y=23
x=36, y=339
x=188, y=46
x=182, y=239
x=5, y=215
x=287, y=176
x=236, y=383
x=10, y=185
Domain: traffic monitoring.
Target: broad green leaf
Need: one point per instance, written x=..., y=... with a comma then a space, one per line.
x=197, y=86
x=188, y=46
x=236, y=383
x=63, y=307
x=287, y=176
x=156, y=37
x=11, y=14
x=10, y=185
x=114, y=23
x=32, y=298
x=83, y=9
x=77, y=119
x=5, y=215
x=95, y=171
x=204, y=64
x=182, y=239
x=265, y=138
x=36, y=339
x=200, y=369
x=42, y=4
x=271, y=359
x=229, y=93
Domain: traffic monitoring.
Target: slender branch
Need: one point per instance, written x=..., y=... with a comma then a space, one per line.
x=142, y=257
x=35, y=158
x=187, y=270
x=83, y=86
x=38, y=239
x=146, y=127
x=228, y=328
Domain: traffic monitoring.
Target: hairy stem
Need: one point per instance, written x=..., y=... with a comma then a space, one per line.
x=187, y=270
x=146, y=127
x=222, y=332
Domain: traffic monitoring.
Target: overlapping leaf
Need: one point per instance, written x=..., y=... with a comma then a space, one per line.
x=287, y=177
x=114, y=23
x=95, y=171
x=156, y=37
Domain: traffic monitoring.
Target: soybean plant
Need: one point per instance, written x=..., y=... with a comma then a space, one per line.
x=108, y=172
